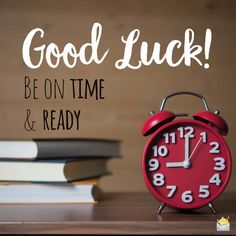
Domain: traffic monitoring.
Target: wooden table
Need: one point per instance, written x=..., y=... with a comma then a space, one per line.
x=116, y=213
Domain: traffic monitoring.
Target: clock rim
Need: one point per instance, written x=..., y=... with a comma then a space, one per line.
x=165, y=200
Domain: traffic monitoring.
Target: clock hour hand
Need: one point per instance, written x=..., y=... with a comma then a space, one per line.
x=175, y=164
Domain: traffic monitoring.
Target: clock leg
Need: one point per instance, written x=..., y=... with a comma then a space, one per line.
x=210, y=205
x=162, y=206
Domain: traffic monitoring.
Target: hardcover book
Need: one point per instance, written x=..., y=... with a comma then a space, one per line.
x=49, y=193
x=58, y=148
x=52, y=170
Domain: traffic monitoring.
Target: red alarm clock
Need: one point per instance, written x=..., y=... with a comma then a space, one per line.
x=186, y=163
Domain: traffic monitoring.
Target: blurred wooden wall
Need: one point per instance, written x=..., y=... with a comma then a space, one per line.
x=129, y=94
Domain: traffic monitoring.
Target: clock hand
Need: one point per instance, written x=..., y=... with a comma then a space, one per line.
x=186, y=162
x=174, y=164
x=195, y=148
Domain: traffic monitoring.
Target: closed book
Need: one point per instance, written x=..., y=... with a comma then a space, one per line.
x=58, y=148
x=92, y=181
x=48, y=193
x=52, y=171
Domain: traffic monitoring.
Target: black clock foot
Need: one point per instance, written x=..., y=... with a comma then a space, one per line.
x=162, y=206
x=210, y=205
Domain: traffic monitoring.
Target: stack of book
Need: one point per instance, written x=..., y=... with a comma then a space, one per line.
x=53, y=170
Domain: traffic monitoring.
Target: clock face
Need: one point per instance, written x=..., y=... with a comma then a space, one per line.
x=186, y=164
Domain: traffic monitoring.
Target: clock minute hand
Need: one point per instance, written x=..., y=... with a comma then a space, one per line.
x=186, y=162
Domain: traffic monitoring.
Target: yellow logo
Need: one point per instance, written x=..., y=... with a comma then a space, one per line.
x=223, y=224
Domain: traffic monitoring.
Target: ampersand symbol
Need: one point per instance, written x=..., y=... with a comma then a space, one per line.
x=29, y=125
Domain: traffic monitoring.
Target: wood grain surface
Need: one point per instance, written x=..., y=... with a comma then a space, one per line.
x=116, y=213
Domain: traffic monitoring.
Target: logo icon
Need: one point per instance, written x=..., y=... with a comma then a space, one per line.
x=223, y=224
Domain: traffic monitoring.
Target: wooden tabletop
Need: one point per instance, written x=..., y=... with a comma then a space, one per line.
x=116, y=213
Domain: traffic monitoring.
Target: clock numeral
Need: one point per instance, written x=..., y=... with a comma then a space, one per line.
x=170, y=137
x=215, y=147
x=172, y=189
x=158, y=179
x=204, y=191
x=160, y=151
x=153, y=164
x=189, y=132
x=219, y=163
x=215, y=179
x=187, y=196
x=204, y=137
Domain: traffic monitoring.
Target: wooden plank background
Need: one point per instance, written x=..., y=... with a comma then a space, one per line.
x=129, y=94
